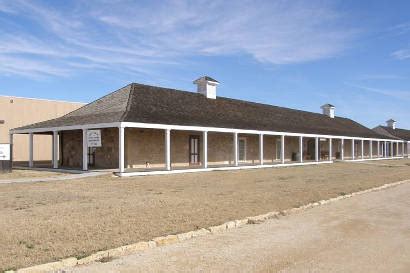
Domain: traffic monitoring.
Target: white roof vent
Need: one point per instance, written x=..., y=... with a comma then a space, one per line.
x=391, y=123
x=328, y=110
x=207, y=86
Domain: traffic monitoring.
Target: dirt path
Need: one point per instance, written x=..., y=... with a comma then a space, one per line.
x=366, y=233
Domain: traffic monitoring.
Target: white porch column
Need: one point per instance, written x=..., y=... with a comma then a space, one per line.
x=11, y=148
x=392, y=148
x=260, y=149
x=397, y=149
x=407, y=149
x=301, y=149
x=55, y=149
x=388, y=146
x=342, y=149
x=121, y=149
x=316, y=149
x=235, y=149
x=167, y=149
x=30, y=150
x=378, y=148
x=385, y=149
x=85, y=150
x=371, y=148
x=205, y=149
x=362, y=150
x=282, y=149
x=330, y=150
x=352, y=148
x=402, y=149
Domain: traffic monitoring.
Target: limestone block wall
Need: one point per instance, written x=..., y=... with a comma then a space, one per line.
x=71, y=149
x=220, y=149
x=374, y=149
x=366, y=149
x=291, y=148
x=71, y=146
x=336, y=149
x=106, y=156
x=347, y=149
x=180, y=147
x=270, y=153
x=252, y=149
x=144, y=146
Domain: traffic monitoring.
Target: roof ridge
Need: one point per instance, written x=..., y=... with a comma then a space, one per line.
x=130, y=92
x=94, y=101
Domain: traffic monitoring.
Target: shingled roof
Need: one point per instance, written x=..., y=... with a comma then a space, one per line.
x=151, y=104
x=396, y=133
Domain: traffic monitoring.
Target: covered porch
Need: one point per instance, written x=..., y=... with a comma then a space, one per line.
x=140, y=149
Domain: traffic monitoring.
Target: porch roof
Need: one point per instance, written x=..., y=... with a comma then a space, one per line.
x=151, y=104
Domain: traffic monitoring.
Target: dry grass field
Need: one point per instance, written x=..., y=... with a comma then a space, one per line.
x=19, y=174
x=43, y=222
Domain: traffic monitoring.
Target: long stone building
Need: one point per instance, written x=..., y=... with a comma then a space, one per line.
x=17, y=111
x=141, y=130
x=390, y=130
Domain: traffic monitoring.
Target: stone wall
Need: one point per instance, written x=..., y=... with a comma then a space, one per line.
x=71, y=149
x=145, y=148
x=347, y=148
x=270, y=155
x=106, y=157
x=220, y=149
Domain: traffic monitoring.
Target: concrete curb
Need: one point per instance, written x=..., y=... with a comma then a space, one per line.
x=172, y=239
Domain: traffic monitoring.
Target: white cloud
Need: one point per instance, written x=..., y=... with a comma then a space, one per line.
x=381, y=77
x=397, y=94
x=400, y=29
x=401, y=54
x=115, y=35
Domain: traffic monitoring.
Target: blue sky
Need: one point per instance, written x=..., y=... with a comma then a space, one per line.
x=298, y=54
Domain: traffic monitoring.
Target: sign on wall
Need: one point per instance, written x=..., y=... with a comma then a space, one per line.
x=4, y=151
x=94, y=138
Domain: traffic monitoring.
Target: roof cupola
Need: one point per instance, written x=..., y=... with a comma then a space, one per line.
x=328, y=110
x=391, y=123
x=207, y=86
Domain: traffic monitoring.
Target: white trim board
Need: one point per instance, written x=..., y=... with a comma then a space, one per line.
x=241, y=131
x=190, y=128
x=67, y=128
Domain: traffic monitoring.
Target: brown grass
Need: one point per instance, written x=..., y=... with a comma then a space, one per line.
x=18, y=174
x=43, y=222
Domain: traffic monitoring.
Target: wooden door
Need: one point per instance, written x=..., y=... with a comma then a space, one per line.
x=194, y=156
